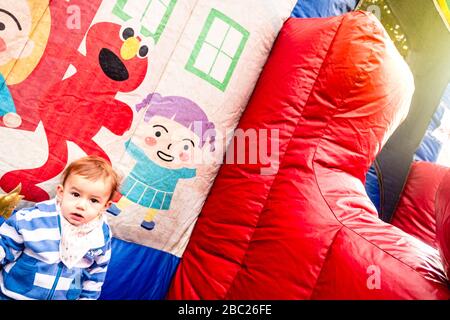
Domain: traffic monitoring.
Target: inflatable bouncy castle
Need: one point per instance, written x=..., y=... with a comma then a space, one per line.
x=310, y=231
x=244, y=138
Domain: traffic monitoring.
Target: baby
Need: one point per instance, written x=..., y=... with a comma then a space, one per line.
x=60, y=248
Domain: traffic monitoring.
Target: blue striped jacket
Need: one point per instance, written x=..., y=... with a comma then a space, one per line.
x=30, y=262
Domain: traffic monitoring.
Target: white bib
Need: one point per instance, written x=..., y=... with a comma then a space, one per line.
x=76, y=241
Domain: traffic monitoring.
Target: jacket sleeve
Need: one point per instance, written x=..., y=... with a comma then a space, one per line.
x=94, y=276
x=11, y=240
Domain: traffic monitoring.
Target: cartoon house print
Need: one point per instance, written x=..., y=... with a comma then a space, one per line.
x=153, y=19
x=218, y=49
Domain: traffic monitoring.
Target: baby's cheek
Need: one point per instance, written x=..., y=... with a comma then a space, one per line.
x=184, y=156
x=150, y=141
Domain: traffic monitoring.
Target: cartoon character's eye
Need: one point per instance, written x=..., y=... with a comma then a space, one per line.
x=127, y=33
x=158, y=134
x=2, y=26
x=143, y=51
x=186, y=147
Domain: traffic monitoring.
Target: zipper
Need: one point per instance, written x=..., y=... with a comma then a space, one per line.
x=58, y=273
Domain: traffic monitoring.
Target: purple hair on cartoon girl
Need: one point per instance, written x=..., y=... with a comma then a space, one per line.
x=182, y=110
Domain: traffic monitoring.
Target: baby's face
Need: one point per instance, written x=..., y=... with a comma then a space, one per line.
x=15, y=27
x=168, y=143
x=82, y=199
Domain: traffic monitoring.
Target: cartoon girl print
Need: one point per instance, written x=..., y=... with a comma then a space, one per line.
x=17, y=18
x=164, y=145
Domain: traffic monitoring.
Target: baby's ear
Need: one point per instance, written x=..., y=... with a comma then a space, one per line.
x=59, y=191
x=108, y=204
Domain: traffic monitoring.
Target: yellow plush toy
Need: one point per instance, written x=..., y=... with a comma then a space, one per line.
x=9, y=201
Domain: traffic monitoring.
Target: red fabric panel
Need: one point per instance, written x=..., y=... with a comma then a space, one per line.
x=356, y=269
x=230, y=225
x=443, y=221
x=335, y=88
x=415, y=212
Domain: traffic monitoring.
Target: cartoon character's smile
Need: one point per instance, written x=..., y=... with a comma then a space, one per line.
x=176, y=125
x=129, y=47
x=112, y=66
x=15, y=28
x=164, y=156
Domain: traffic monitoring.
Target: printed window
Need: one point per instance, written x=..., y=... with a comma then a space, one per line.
x=153, y=18
x=217, y=50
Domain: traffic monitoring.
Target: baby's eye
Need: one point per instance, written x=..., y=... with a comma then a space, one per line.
x=95, y=201
x=75, y=194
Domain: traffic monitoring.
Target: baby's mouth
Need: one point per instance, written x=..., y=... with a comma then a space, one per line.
x=77, y=216
x=164, y=156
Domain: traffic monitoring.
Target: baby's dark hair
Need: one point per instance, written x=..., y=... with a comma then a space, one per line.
x=93, y=168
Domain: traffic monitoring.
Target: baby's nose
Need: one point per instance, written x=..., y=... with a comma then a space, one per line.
x=81, y=203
